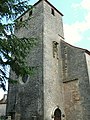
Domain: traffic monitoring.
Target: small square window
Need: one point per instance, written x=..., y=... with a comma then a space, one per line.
x=52, y=12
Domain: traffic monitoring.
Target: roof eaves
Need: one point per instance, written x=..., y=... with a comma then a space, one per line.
x=85, y=50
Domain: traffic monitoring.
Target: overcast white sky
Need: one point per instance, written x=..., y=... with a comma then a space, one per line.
x=76, y=22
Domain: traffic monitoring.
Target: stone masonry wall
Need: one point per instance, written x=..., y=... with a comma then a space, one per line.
x=29, y=95
x=88, y=64
x=53, y=91
x=76, y=83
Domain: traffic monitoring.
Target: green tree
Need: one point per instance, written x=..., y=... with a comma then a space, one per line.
x=13, y=50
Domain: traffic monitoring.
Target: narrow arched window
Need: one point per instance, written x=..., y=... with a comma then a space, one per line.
x=55, y=49
x=57, y=114
x=24, y=78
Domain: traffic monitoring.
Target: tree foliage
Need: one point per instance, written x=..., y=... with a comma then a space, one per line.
x=13, y=50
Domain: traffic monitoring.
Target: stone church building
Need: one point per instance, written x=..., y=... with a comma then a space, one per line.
x=59, y=89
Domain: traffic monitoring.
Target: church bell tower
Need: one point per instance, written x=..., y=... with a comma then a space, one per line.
x=40, y=96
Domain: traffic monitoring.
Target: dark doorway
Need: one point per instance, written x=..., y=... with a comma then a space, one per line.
x=57, y=114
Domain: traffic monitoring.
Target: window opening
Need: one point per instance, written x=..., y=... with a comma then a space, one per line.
x=34, y=117
x=52, y=12
x=21, y=19
x=57, y=114
x=55, y=49
x=12, y=114
x=65, y=52
x=30, y=13
x=25, y=78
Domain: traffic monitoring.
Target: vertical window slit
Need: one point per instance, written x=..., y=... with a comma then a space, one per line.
x=30, y=13
x=55, y=49
x=21, y=19
x=52, y=12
